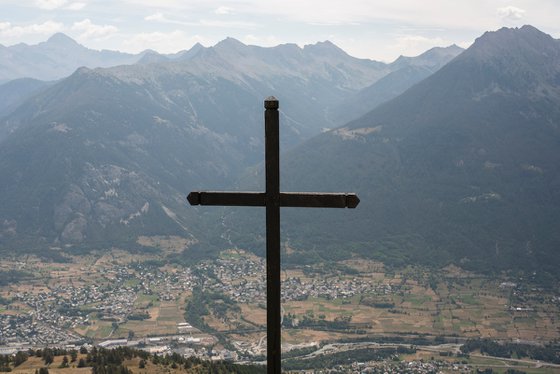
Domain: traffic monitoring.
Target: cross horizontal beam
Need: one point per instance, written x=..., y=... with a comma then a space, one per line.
x=227, y=198
x=318, y=200
x=287, y=199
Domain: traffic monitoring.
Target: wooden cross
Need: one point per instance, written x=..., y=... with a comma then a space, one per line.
x=273, y=199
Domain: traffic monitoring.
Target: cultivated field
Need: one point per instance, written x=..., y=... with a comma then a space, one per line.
x=451, y=303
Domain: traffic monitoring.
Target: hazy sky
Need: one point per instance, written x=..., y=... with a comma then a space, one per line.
x=380, y=30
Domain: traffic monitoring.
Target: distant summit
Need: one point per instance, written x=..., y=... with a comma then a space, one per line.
x=56, y=58
x=527, y=40
x=520, y=56
x=405, y=72
x=152, y=57
x=433, y=58
x=105, y=155
x=230, y=43
x=325, y=48
x=65, y=55
x=185, y=55
x=62, y=40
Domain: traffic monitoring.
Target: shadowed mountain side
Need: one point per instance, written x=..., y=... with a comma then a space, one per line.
x=106, y=155
x=87, y=171
x=462, y=168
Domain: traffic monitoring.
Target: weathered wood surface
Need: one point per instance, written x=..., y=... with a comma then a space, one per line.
x=273, y=295
x=287, y=199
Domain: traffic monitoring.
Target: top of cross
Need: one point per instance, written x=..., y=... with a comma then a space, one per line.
x=271, y=103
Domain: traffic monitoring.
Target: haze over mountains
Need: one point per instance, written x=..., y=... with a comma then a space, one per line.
x=55, y=58
x=105, y=155
x=15, y=92
x=462, y=167
x=407, y=71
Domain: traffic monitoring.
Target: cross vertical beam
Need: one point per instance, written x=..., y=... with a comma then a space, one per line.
x=272, y=166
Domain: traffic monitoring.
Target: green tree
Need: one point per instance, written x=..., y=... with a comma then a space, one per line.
x=82, y=363
x=48, y=356
x=20, y=358
x=64, y=363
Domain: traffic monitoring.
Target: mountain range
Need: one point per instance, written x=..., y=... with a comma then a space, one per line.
x=453, y=153
x=107, y=154
x=463, y=167
x=55, y=58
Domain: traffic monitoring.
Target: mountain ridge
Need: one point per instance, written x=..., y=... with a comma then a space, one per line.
x=118, y=147
x=436, y=168
x=461, y=168
x=406, y=72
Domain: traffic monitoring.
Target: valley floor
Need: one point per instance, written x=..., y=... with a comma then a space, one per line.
x=116, y=298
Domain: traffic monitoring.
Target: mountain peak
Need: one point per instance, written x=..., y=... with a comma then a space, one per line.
x=188, y=54
x=524, y=49
x=229, y=43
x=149, y=56
x=230, y=47
x=452, y=50
x=501, y=39
x=433, y=58
x=62, y=40
x=195, y=49
x=325, y=48
x=197, y=46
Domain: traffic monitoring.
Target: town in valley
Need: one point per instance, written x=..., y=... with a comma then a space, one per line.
x=216, y=309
